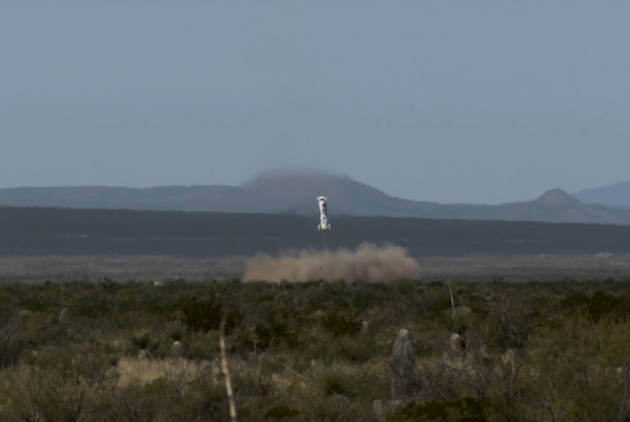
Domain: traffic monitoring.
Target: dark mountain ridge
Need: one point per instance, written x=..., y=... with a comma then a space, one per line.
x=296, y=193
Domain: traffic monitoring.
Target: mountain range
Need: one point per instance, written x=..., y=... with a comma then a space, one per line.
x=615, y=195
x=296, y=193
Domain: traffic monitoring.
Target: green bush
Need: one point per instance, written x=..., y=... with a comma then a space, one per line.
x=280, y=328
x=206, y=315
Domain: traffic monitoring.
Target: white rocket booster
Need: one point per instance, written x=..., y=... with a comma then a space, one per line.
x=323, y=215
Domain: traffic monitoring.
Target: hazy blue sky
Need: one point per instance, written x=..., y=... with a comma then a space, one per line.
x=443, y=101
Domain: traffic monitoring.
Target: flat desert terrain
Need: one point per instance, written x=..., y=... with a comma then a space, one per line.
x=518, y=268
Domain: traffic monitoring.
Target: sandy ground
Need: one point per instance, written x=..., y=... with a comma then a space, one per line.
x=465, y=268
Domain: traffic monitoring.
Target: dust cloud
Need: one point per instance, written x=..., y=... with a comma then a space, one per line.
x=368, y=263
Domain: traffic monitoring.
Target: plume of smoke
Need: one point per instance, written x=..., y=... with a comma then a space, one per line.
x=368, y=263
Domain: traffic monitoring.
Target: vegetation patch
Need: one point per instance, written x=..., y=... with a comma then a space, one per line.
x=135, y=351
x=466, y=409
x=206, y=315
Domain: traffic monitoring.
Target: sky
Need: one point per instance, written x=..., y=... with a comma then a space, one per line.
x=459, y=101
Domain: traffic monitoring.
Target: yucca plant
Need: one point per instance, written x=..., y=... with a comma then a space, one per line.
x=402, y=365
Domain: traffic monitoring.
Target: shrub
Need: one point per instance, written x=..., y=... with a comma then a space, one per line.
x=144, y=344
x=466, y=409
x=175, y=331
x=342, y=324
x=334, y=379
x=281, y=412
x=275, y=331
x=599, y=305
x=206, y=315
x=12, y=342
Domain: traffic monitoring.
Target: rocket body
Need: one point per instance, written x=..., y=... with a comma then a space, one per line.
x=323, y=215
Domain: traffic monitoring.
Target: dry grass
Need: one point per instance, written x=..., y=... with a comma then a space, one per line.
x=147, y=370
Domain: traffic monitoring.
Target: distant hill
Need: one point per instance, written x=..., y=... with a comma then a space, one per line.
x=296, y=193
x=616, y=195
